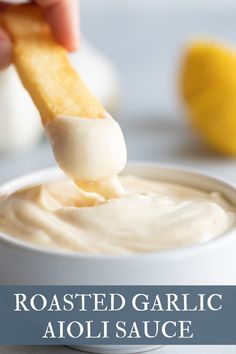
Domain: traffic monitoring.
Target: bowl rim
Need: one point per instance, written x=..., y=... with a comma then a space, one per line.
x=175, y=253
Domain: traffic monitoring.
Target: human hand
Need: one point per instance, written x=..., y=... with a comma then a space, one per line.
x=63, y=18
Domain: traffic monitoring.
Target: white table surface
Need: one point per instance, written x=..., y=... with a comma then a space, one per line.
x=144, y=39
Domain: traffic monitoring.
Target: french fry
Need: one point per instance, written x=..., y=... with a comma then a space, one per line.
x=44, y=67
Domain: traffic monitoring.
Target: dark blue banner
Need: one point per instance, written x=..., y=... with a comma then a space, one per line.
x=121, y=315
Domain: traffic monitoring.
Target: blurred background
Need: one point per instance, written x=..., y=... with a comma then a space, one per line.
x=130, y=57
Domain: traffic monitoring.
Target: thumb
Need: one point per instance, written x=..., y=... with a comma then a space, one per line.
x=5, y=50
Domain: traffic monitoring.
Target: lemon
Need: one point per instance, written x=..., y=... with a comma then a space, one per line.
x=208, y=87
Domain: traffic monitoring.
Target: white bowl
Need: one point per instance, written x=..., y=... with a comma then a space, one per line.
x=211, y=263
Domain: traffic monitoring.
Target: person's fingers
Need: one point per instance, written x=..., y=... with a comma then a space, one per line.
x=63, y=17
x=5, y=50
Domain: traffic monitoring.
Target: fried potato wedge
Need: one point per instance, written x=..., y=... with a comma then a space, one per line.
x=44, y=67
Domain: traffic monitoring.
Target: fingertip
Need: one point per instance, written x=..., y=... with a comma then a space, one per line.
x=63, y=17
x=5, y=50
x=71, y=45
